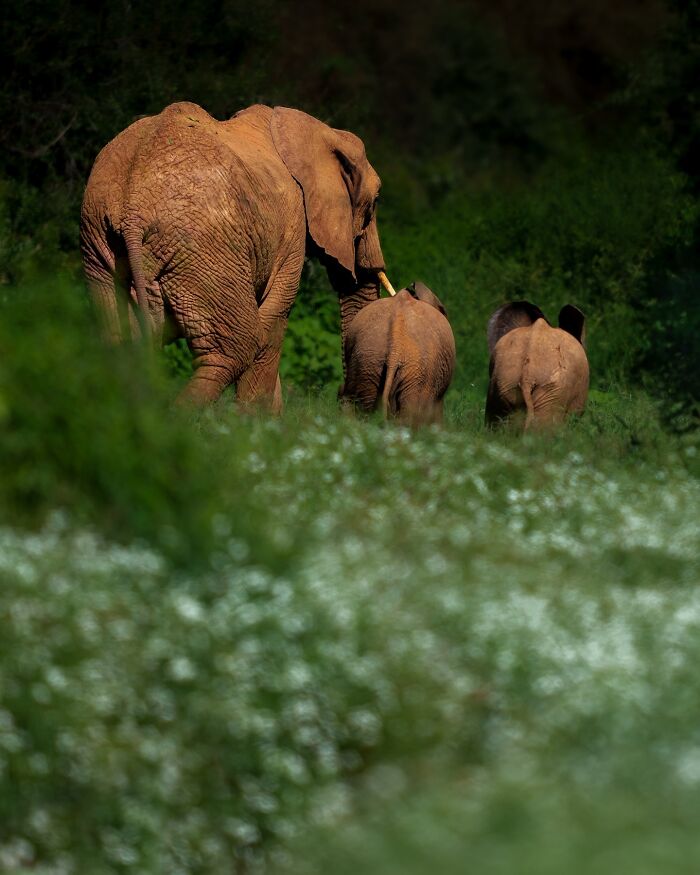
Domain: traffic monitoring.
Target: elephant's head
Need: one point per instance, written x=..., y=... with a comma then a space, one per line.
x=340, y=189
x=421, y=292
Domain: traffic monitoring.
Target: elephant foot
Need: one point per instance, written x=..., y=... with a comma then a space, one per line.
x=255, y=395
x=205, y=386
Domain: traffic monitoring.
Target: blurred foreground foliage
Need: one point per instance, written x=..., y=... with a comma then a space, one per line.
x=222, y=633
x=91, y=428
x=518, y=822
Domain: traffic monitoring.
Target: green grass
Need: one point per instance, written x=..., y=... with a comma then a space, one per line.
x=225, y=634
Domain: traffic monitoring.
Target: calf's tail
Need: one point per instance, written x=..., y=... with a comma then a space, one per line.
x=526, y=389
x=391, y=371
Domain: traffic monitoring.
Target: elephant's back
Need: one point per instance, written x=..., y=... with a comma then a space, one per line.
x=418, y=326
x=189, y=185
x=370, y=327
x=406, y=333
x=106, y=187
x=555, y=356
x=428, y=327
x=183, y=160
x=539, y=355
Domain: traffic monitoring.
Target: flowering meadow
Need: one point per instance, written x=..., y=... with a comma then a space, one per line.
x=392, y=650
x=324, y=644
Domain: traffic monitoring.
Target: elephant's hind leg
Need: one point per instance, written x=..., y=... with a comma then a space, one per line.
x=420, y=408
x=548, y=410
x=260, y=383
x=221, y=326
x=499, y=405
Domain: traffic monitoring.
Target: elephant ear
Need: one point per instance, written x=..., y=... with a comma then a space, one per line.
x=516, y=314
x=327, y=164
x=571, y=319
x=421, y=292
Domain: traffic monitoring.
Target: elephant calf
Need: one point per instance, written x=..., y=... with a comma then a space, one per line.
x=399, y=356
x=535, y=369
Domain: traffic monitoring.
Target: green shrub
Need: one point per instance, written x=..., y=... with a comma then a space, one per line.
x=90, y=429
x=38, y=232
x=311, y=356
x=672, y=356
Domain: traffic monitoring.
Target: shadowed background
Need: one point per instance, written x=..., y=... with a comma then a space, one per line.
x=546, y=151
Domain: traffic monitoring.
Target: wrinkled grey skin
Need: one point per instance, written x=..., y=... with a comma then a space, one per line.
x=400, y=357
x=537, y=373
x=197, y=228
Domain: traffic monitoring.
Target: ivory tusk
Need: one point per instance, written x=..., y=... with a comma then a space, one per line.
x=384, y=280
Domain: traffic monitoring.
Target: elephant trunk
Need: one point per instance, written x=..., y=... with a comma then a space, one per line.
x=369, y=255
x=369, y=269
x=352, y=301
x=369, y=251
x=366, y=291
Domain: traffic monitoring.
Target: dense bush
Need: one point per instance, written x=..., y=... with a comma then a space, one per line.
x=311, y=356
x=599, y=229
x=89, y=428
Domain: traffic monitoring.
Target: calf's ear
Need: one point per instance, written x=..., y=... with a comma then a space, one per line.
x=516, y=314
x=421, y=292
x=571, y=319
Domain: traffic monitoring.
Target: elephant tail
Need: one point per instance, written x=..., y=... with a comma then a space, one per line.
x=526, y=389
x=133, y=239
x=392, y=368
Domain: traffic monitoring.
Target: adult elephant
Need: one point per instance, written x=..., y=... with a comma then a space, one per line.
x=536, y=369
x=197, y=228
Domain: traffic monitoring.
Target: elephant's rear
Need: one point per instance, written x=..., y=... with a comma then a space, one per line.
x=139, y=171
x=400, y=356
x=104, y=252
x=555, y=373
x=432, y=343
x=576, y=377
x=538, y=372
